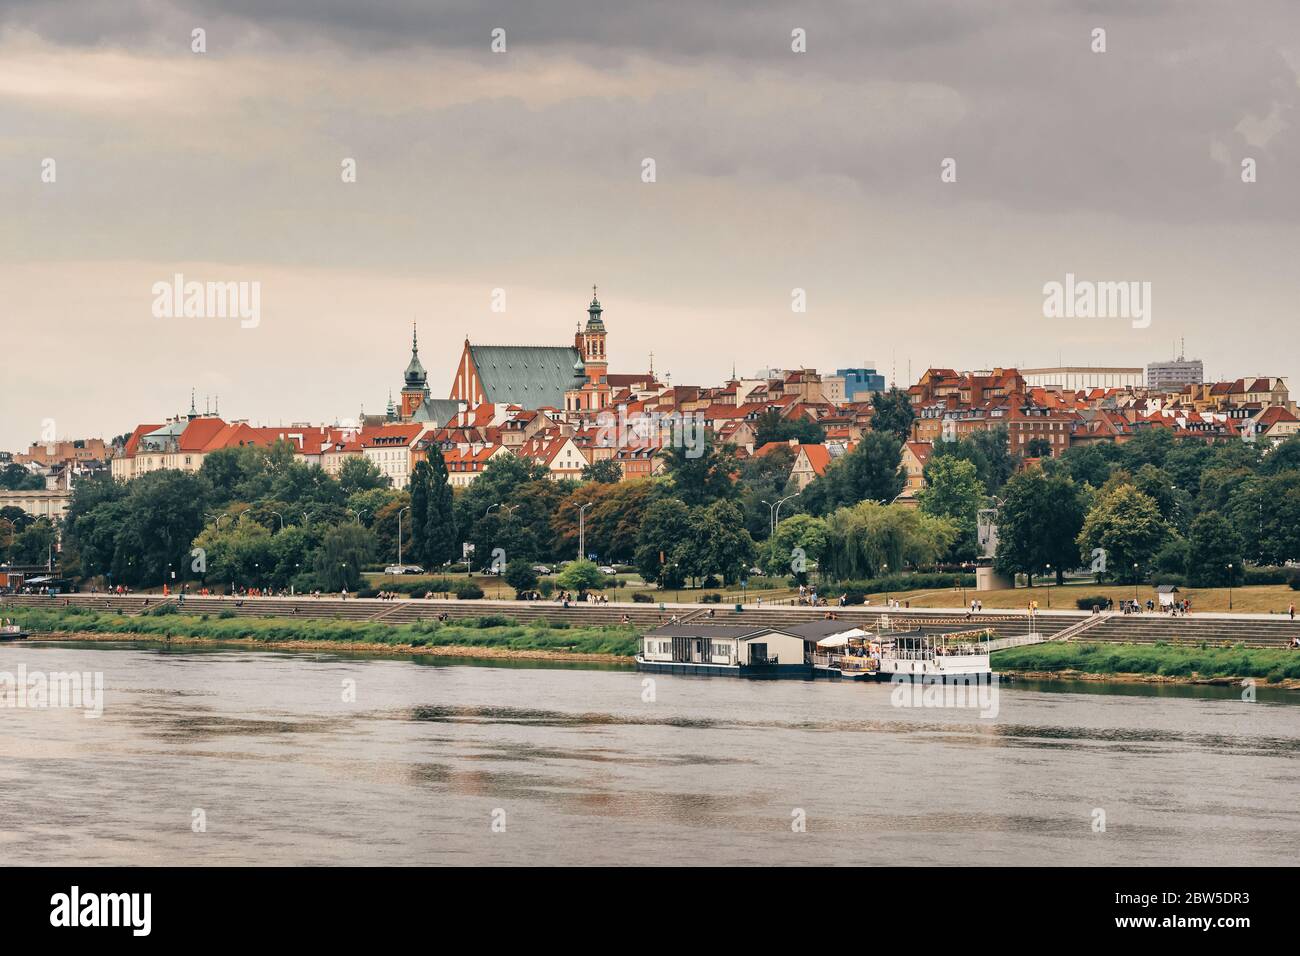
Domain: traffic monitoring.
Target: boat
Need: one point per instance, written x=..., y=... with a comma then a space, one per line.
x=12, y=632
x=956, y=656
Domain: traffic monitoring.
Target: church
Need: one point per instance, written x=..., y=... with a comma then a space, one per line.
x=568, y=378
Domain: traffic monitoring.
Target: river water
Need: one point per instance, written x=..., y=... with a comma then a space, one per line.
x=256, y=757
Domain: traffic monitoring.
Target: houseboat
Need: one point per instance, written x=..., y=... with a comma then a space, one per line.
x=724, y=650
x=831, y=649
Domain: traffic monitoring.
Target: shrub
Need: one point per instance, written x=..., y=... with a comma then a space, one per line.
x=1267, y=575
x=164, y=609
x=1087, y=603
x=368, y=593
x=494, y=620
x=468, y=591
x=714, y=598
x=854, y=597
x=225, y=615
x=640, y=597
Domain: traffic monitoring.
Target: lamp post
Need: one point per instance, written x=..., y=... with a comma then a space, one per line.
x=399, y=534
x=1135, y=582
x=1230, y=586
x=1049, y=585
x=582, y=530
x=776, y=520
x=280, y=516
x=884, y=568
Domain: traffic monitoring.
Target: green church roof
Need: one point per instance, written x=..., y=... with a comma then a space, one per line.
x=531, y=376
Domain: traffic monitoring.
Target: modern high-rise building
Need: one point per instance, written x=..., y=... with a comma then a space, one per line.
x=1175, y=373
x=860, y=383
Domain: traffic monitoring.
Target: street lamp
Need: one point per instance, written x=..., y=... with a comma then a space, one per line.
x=1229, y=586
x=776, y=520
x=1049, y=585
x=582, y=530
x=399, y=534
x=1135, y=582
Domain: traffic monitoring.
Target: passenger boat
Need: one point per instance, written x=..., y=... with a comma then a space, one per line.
x=948, y=656
x=12, y=632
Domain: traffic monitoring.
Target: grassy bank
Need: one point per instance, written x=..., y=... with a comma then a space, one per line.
x=491, y=632
x=1156, y=660
x=1256, y=599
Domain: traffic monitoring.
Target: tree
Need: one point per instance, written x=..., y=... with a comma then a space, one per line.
x=344, y=551
x=34, y=544
x=1038, y=447
x=893, y=413
x=665, y=527
x=1039, y=519
x=1213, y=552
x=719, y=544
x=772, y=426
x=994, y=446
x=699, y=479
x=433, y=521
x=953, y=490
x=361, y=474
x=606, y=472
x=14, y=477
x=1126, y=525
x=799, y=542
x=520, y=575
x=873, y=471
x=581, y=575
x=869, y=539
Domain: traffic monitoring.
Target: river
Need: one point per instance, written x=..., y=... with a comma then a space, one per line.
x=237, y=756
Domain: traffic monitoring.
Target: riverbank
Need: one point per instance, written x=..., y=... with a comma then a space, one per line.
x=489, y=636
x=1151, y=663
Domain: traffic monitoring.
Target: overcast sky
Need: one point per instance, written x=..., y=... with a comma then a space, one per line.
x=522, y=171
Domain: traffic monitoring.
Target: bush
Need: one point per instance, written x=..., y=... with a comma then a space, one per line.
x=1087, y=603
x=854, y=597
x=468, y=591
x=1265, y=575
x=495, y=620
x=714, y=598
x=905, y=582
x=640, y=597
x=368, y=593
x=164, y=609
x=225, y=615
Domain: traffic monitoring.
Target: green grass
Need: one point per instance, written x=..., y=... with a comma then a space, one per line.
x=1271, y=664
x=496, y=631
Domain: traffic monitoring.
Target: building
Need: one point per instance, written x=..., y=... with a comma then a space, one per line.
x=573, y=378
x=390, y=448
x=860, y=383
x=1081, y=377
x=44, y=503
x=1175, y=374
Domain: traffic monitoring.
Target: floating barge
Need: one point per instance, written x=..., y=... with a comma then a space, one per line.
x=831, y=649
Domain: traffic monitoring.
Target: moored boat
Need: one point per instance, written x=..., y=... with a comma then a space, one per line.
x=12, y=632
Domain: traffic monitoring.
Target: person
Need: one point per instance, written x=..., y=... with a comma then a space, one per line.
x=626, y=619
x=1291, y=610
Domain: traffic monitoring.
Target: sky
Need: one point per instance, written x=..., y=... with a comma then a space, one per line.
x=524, y=171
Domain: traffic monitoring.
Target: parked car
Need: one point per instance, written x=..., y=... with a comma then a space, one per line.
x=757, y=573
x=541, y=569
x=403, y=569
x=607, y=570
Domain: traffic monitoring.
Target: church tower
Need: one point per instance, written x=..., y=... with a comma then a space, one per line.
x=590, y=343
x=416, y=387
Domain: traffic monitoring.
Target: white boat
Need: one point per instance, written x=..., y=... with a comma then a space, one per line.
x=955, y=655
x=12, y=632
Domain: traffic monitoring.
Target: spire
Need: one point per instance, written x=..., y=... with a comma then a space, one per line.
x=416, y=376
x=194, y=412
x=594, y=323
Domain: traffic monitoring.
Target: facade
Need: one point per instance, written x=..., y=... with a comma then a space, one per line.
x=860, y=383
x=390, y=448
x=1175, y=374
x=44, y=503
x=1076, y=377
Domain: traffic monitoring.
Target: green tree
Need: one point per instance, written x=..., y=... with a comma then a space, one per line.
x=433, y=520
x=1038, y=447
x=581, y=575
x=772, y=426
x=873, y=471
x=606, y=472
x=520, y=575
x=344, y=551
x=893, y=413
x=799, y=542
x=1126, y=525
x=953, y=490
x=665, y=528
x=700, y=477
x=869, y=539
x=361, y=474
x=1213, y=552
x=1039, y=519
x=14, y=477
